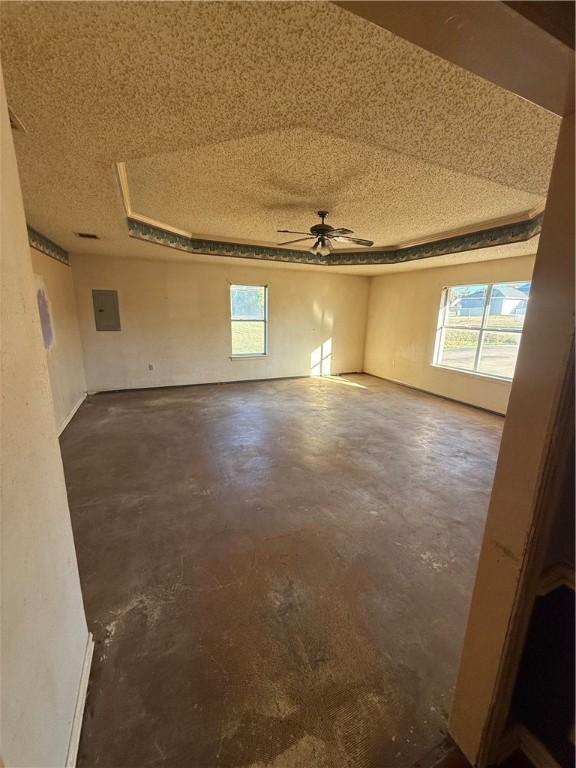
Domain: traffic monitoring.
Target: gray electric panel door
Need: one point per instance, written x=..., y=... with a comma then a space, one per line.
x=106, y=311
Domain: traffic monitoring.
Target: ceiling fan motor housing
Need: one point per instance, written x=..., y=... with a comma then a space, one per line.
x=322, y=228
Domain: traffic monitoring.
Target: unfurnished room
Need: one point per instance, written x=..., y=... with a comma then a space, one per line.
x=287, y=326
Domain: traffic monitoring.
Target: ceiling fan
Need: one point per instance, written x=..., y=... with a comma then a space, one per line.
x=323, y=235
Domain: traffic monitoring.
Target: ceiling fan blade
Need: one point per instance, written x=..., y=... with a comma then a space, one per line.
x=292, y=232
x=356, y=240
x=340, y=231
x=299, y=240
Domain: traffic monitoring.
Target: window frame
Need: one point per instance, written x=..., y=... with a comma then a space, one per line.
x=481, y=329
x=244, y=355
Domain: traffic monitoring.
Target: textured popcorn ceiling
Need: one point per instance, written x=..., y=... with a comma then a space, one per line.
x=247, y=189
x=236, y=119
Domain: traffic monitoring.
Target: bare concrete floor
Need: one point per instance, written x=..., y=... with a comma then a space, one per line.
x=276, y=574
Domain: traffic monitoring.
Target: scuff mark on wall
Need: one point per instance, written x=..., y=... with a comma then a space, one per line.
x=44, y=312
x=505, y=550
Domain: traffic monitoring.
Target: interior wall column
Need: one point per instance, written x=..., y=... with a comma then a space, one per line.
x=46, y=647
x=517, y=518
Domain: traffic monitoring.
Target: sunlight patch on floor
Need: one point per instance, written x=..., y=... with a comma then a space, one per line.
x=343, y=380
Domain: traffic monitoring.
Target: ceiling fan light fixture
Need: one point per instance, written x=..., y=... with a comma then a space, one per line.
x=323, y=235
x=321, y=247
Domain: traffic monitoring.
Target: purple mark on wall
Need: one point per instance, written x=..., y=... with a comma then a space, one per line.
x=45, y=318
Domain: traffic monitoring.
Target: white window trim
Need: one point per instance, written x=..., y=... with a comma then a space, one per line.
x=249, y=355
x=481, y=330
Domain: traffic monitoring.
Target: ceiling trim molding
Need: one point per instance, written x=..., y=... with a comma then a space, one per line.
x=471, y=228
x=160, y=235
x=485, y=238
x=41, y=243
x=122, y=176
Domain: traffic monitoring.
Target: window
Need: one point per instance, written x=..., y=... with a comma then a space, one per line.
x=249, y=317
x=480, y=327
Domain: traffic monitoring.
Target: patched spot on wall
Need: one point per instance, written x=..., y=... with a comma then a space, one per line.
x=45, y=313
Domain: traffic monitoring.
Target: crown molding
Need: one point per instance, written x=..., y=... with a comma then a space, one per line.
x=485, y=238
x=473, y=228
x=140, y=230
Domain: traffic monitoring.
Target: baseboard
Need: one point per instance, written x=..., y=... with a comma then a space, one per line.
x=534, y=750
x=218, y=383
x=520, y=738
x=80, y=703
x=435, y=394
x=560, y=575
x=70, y=416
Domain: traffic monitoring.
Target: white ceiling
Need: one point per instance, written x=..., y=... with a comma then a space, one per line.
x=236, y=119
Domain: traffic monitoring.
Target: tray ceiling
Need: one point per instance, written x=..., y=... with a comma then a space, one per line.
x=236, y=119
x=247, y=189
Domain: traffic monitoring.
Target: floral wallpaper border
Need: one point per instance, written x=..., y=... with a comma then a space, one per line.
x=41, y=243
x=485, y=238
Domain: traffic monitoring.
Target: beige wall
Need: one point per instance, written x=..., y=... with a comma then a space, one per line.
x=65, y=362
x=44, y=633
x=401, y=330
x=176, y=317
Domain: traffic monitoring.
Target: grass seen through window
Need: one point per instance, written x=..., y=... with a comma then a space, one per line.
x=249, y=312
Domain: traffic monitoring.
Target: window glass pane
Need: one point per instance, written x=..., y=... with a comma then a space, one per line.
x=508, y=305
x=459, y=348
x=248, y=302
x=499, y=353
x=465, y=305
x=248, y=337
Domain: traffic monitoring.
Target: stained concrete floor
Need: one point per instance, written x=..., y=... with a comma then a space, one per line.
x=276, y=573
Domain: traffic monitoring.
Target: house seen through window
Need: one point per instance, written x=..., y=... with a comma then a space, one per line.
x=249, y=318
x=480, y=327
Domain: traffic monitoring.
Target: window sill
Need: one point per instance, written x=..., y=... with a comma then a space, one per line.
x=476, y=374
x=248, y=356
